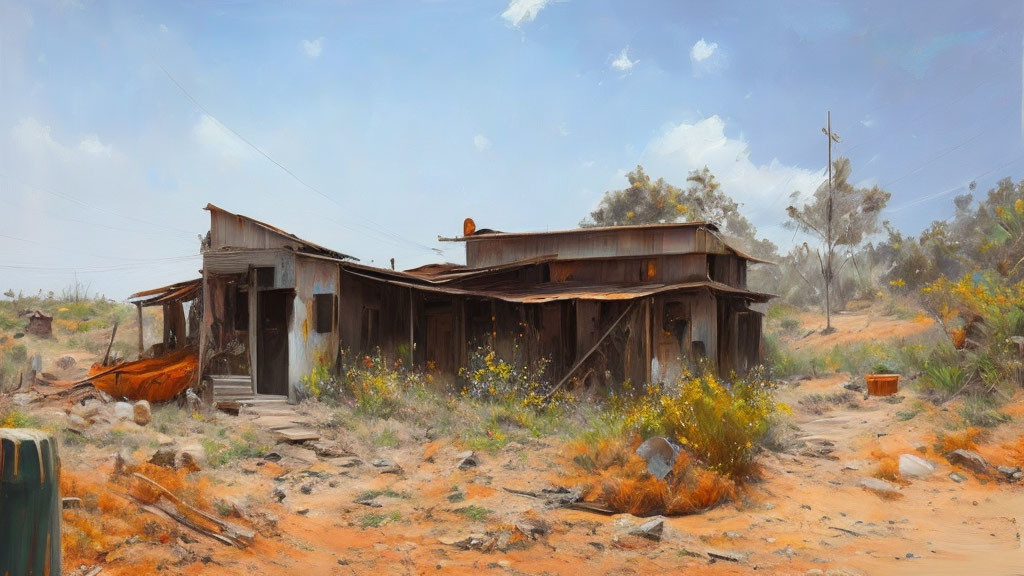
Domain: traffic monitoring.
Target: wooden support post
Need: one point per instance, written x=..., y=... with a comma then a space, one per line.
x=142, y=348
x=30, y=505
x=412, y=334
x=647, y=338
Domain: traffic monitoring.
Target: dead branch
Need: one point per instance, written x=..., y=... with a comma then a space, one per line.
x=235, y=534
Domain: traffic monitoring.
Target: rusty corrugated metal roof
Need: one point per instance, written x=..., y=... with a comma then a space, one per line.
x=556, y=291
x=493, y=234
x=180, y=292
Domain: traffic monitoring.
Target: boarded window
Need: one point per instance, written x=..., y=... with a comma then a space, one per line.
x=240, y=312
x=265, y=277
x=324, y=309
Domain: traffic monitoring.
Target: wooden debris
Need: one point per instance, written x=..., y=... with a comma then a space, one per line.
x=229, y=533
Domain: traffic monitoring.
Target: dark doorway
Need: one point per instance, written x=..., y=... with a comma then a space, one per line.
x=275, y=307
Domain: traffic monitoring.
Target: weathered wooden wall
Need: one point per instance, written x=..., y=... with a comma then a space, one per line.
x=498, y=249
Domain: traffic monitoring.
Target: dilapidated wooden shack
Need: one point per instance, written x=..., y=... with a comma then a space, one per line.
x=599, y=305
x=270, y=308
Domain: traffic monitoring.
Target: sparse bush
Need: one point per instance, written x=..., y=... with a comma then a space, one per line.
x=247, y=445
x=375, y=520
x=980, y=411
x=474, y=512
x=722, y=422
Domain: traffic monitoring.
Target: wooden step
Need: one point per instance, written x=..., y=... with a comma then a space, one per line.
x=297, y=434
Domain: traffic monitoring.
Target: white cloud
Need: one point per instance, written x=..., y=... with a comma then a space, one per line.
x=481, y=142
x=215, y=139
x=313, y=48
x=763, y=189
x=563, y=129
x=91, y=145
x=868, y=121
x=706, y=57
x=163, y=28
x=623, y=63
x=701, y=50
x=37, y=138
x=520, y=11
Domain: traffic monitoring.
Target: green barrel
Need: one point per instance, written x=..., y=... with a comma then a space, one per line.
x=30, y=505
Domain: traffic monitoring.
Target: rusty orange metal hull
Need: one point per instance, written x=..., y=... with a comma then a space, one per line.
x=153, y=379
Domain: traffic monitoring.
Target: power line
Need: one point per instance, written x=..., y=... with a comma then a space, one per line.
x=926, y=198
x=373, y=227
x=70, y=198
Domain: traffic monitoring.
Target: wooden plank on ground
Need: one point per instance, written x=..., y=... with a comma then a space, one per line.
x=297, y=434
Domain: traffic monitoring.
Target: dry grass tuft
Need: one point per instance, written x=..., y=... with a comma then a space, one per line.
x=961, y=439
x=613, y=474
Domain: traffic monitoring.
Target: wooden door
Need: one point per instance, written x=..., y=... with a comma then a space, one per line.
x=272, y=341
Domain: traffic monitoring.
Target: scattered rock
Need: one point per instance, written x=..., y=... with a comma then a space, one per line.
x=393, y=469
x=957, y=477
x=855, y=385
x=880, y=487
x=727, y=555
x=65, y=362
x=732, y=535
x=187, y=461
x=279, y=494
x=326, y=450
x=383, y=463
x=164, y=457
x=306, y=489
x=915, y=466
x=467, y=460
x=76, y=423
x=272, y=457
x=123, y=411
x=652, y=529
x=164, y=440
x=68, y=503
x=1010, y=472
x=142, y=413
x=788, y=552
x=660, y=456
x=968, y=459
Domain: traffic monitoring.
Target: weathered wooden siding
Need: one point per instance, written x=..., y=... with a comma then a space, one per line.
x=234, y=231
x=496, y=250
x=241, y=261
x=661, y=269
x=306, y=346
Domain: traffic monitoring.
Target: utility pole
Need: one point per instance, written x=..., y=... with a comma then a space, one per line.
x=830, y=137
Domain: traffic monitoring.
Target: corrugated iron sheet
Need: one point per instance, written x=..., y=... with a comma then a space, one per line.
x=180, y=292
x=553, y=292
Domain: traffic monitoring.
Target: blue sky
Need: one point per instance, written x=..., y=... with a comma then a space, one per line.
x=399, y=119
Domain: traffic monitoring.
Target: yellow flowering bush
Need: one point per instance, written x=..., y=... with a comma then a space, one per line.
x=490, y=378
x=722, y=422
x=372, y=385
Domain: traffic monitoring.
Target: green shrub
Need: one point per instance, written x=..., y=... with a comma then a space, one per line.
x=945, y=380
x=721, y=422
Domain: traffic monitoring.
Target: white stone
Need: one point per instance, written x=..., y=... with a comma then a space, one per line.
x=123, y=411
x=915, y=466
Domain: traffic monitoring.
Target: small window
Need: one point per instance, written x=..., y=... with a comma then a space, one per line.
x=324, y=310
x=265, y=277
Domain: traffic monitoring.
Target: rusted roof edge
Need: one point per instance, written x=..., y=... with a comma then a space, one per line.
x=591, y=230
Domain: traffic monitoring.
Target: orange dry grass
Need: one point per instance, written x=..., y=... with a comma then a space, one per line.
x=1017, y=452
x=614, y=475
x=888, y=467
x=105, y=519
x=963, y=439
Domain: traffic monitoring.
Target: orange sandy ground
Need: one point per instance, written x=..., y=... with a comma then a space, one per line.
x=806, y=512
